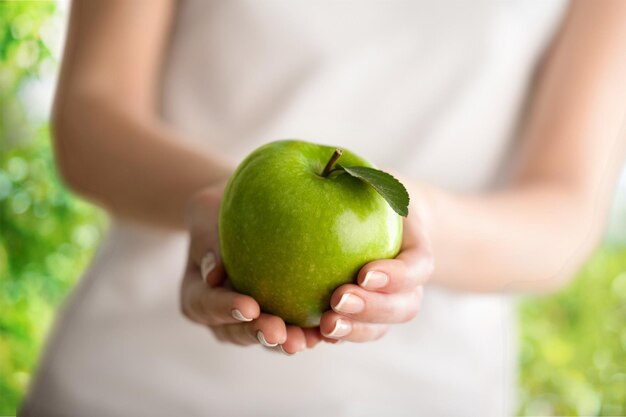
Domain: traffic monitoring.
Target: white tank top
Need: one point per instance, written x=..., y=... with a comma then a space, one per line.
x=432, y=89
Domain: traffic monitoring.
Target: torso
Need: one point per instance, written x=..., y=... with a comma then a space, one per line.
x=430, y=89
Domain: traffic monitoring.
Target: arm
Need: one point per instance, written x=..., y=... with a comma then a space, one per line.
x=535, y=235
x=112, y=148
x=110, y=145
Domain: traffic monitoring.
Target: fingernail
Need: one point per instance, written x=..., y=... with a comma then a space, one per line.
x=238, y=316
x=375, y=279
x=261, y=337
x=282, y=349
x=342, y=328
x=207, y=264
x=350, y=303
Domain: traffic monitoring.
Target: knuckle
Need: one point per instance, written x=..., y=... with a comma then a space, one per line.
x=371, y=332
x=419, y=271
x=212, y=318
x=412, y=276
x=411, y=313
x=386, y=309
x=229, y=333
x=207, y=307
x=383, y=331
x=218, y=332
x=413, y=308
x=203, y=308
x=203, y=305
x=233, y=335
x=412, y=280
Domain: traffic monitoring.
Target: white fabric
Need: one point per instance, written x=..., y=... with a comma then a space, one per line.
x=432, y=89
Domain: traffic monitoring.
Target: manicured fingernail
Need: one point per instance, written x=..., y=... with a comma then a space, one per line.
x=350, y=303
x=238, y=316
x=261, y=337
x=207, y=264
x=342, y=328
x=282, y=349
x=375, y=279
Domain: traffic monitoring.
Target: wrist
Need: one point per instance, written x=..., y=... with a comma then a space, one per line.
x=429, y=208
x=426, y=201
x=205, y=199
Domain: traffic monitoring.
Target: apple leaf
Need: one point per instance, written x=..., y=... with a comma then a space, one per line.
x=385, y=184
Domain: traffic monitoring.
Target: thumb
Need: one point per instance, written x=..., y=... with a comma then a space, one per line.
x=204, y=253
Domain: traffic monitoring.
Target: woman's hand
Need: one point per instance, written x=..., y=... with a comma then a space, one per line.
x=388, y=291
x=207, y=297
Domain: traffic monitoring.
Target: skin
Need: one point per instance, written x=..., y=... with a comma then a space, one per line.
x=111, y=147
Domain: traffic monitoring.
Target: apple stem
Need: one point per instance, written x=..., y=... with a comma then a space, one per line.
x=331, y=162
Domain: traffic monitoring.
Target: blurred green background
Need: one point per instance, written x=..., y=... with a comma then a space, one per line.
x=573, y=351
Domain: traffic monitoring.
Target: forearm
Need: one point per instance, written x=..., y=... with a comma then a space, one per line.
x=536, y=234
x=526, y=239
x=133, y=165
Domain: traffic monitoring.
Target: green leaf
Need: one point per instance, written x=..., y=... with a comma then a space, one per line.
x=385, y=184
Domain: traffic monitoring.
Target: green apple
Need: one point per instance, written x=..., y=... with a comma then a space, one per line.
x=293, y=227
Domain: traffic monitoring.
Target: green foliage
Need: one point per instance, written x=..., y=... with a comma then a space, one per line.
x=385, y=184
x=573, y=343
x=46, y=235
x=573, y=352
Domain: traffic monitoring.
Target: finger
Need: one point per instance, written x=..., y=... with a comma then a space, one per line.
x=216, y=306
x=336, y=326
x=312, y=336
x=209, y=267
x=403, y=273
x=412, y=267
x=267, y=330
x=376, y=307
x=202, y=221
x=296, y=340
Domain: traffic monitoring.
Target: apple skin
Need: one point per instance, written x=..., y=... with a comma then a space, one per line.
x=289, y=237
